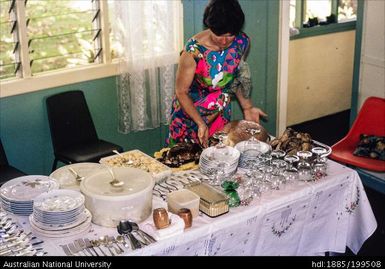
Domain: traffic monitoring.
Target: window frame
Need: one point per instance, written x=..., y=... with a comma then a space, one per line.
x=321, y=29
x=108, y=67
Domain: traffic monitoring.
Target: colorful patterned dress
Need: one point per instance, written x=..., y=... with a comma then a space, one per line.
x=210, y=89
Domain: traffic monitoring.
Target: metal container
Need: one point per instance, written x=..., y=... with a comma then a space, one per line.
x=212, y=202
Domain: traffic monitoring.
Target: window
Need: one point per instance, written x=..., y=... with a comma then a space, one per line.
x=9, y=44
x=50, y=41
x=316, y=13
x=62, y=34
x=53, y=35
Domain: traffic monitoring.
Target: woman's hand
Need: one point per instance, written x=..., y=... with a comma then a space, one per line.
x=203, y=134
x=253, y=114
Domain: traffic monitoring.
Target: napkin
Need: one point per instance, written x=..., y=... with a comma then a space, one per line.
x=176, y=227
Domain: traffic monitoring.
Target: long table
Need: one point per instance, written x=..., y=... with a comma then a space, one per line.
x=304, y=219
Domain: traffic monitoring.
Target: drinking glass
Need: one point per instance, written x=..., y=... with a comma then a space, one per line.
x=221, y=151
x=291, y=173
x=217, y=173
x=305, y=170
x=320, y=163
x=278, y=154
x=277, y=177
x=251, y=147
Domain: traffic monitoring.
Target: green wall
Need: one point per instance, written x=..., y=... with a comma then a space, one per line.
x=24, y=127
x=262, y=22
x=25, y=132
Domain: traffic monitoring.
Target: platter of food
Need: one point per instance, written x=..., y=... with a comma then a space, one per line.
x=138, y=159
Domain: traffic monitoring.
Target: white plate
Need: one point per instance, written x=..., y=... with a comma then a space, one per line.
x=26, y=188
x=84, y=218
x=59, y=201
x=67, y=180
x=81, y=229
x=260, y=146
x=226, y=154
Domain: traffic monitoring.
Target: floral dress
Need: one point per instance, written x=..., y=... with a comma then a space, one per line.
x=210, y=89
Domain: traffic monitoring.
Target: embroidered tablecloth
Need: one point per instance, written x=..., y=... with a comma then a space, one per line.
x=303, y=219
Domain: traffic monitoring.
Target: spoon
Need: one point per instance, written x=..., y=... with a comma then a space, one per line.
x=126, y=160
x=77, y=176
x=144, y=235
x=114, y=182
x=120, y=239
x=112, y=240
x=96, y=243
x=125, y=228
x=103, y=240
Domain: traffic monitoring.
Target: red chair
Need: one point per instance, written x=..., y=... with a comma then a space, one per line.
x=371, y=121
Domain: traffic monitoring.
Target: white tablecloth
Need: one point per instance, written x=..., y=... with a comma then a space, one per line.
x=304, y=219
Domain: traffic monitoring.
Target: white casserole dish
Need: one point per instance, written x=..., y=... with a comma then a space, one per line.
x=109, y=205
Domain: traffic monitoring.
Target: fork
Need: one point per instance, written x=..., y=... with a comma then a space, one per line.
x=74, y=249
x=112, y=240
x=90, y=246
x=96, y=243
x=66, y=250
x=83, y=246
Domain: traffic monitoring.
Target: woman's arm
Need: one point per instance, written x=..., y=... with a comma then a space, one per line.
x=184, y=78
x=250, y=112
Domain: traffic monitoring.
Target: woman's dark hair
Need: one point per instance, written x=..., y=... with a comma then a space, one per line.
x=224, y=16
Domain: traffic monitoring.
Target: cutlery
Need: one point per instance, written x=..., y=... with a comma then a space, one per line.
x=103, y=240
x=66, y=250
x=77, y=176
x=96, y=243
x=126, y=160
x=124, y=228
x=112, y=240
x=80, y=242
x=81, y=247
x=146, y=236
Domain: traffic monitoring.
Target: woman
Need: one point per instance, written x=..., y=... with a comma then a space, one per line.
x=207, y=68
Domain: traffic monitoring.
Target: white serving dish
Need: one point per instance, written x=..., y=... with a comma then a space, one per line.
x=109, y=205
x=139, y=160
x=67, y=179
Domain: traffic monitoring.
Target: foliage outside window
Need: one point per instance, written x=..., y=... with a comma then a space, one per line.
x=57, y=35
x=61, y=34
x=51, y=41
x=315, y=13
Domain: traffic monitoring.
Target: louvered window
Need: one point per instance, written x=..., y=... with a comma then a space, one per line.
x=50, y=43
x=54, y=35
x=62, y=34
x=9, y=44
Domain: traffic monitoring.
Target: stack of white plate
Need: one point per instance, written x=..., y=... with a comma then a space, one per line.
x=17, y=194
x=60, y=212
x=223, y=160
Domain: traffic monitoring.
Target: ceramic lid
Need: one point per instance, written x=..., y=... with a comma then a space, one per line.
x=136, y=182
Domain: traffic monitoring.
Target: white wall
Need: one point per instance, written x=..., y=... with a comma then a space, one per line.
x=320, y=76
x=372, y=69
